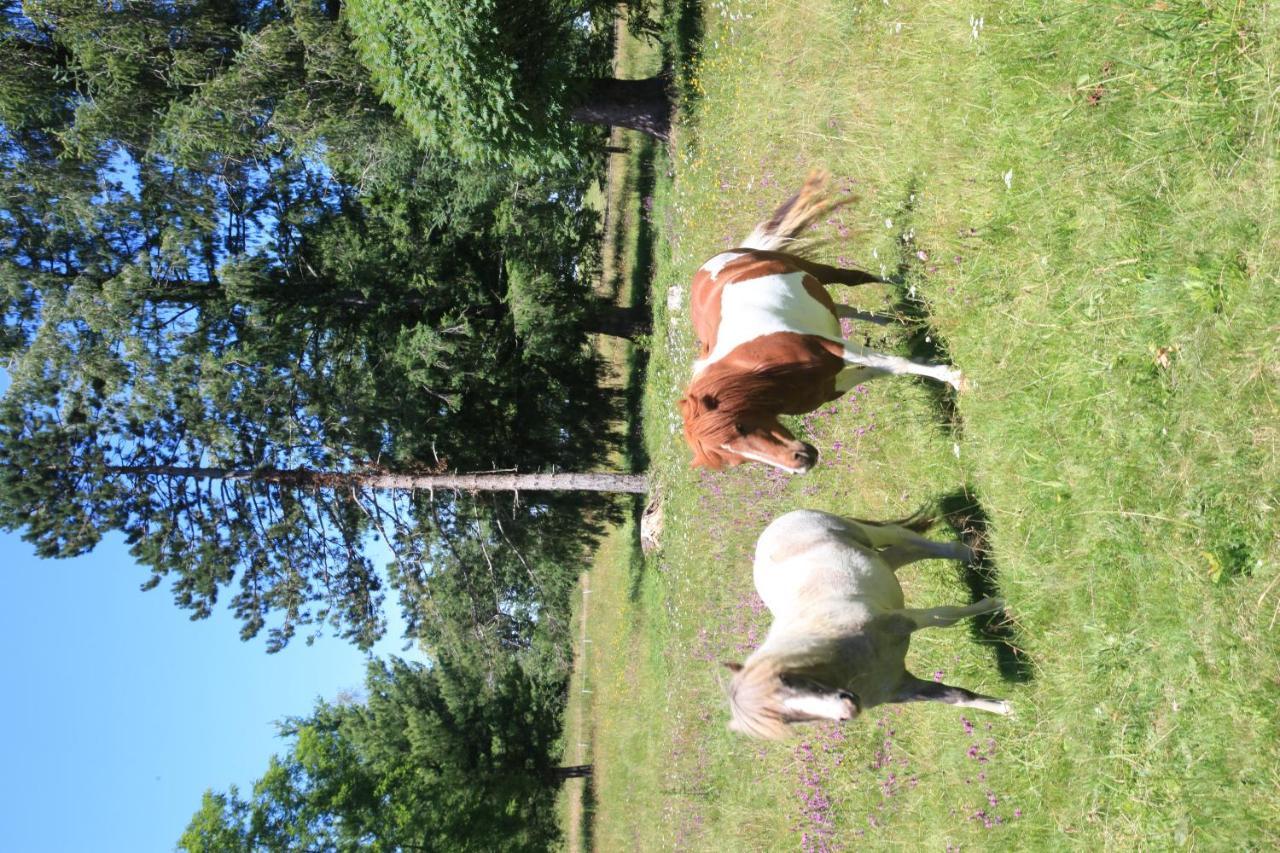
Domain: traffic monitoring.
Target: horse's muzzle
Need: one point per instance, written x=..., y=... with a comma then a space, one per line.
x=805, y=458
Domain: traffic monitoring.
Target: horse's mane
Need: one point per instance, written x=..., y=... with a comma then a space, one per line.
x=753, y=704
x=715, y=404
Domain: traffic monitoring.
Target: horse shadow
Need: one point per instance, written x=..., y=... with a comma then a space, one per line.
x=922, y=341
x=964, y=514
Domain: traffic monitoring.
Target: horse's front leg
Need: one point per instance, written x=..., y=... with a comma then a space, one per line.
x=914, y=689
x=879, y=363
x=944, y=617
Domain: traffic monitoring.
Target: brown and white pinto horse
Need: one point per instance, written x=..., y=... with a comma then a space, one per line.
x=771, y=343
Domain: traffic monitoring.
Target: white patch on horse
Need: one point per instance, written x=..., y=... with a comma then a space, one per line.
x=755, y=457
x=766, y=305
x=828, y=707
x=716, y=264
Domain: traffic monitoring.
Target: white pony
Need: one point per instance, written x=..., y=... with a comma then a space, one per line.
x=840, y=630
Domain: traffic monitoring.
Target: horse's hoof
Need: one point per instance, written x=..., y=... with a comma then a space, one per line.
x=960, y=382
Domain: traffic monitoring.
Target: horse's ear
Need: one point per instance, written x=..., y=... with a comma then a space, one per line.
x=690, y=405
x=735, y=668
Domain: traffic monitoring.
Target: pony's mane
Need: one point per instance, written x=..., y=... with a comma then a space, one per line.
x=753, y=705
x=716, y=402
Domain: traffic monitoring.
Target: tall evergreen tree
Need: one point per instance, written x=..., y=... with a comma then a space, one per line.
x=219, y=250
x=437, y=758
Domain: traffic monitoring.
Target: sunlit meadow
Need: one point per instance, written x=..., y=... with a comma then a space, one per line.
x=1077, y=205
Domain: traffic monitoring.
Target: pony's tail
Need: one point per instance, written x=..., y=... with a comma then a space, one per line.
x=795, y=215
x=918, y=522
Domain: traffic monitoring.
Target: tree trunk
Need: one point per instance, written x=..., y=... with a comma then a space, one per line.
x=602, y=481
x=578, y=771
x=616, y=321
x=641, y=105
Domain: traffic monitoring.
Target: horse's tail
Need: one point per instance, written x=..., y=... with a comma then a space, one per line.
x=918, y=522
x=796, y=215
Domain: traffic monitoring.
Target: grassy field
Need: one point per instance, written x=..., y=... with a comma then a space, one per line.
x=1078, y=205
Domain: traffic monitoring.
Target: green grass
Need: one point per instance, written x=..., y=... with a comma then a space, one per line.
x=1084, y=203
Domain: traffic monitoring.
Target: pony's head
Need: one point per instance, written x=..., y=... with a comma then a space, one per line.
x=764, y=699
x=723, y=434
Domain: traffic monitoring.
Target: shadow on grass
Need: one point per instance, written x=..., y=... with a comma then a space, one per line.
x=682, y=44
x=923, y=343
x=635, y=556
x=964, y=514
x=641, y=275
x=587, y=832
x=641, y=280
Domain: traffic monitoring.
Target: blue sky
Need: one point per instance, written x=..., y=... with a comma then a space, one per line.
x=119, y=711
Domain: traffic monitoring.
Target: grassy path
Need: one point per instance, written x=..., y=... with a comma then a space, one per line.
x=1078, y=205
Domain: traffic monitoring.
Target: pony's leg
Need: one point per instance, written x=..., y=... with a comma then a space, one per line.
x=835, y=275
x=880, y=363
x=913, y=689
x=945, y=617
x=851, y=313
x=851, y=377
x=902, y=545
x=924, y=549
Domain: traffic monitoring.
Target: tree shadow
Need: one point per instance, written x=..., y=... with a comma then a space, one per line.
x=964, y=514
x=641, y=280
x=682, y=44
x=588, y=829
x=636, y=563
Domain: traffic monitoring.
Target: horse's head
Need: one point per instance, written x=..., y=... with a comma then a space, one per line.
x=726, y=435
x=764, y=700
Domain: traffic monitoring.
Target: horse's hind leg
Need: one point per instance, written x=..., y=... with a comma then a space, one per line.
x=902, y=545
x=920, y=548
x=835, y=275
x=914, y=689
x=848, y=311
